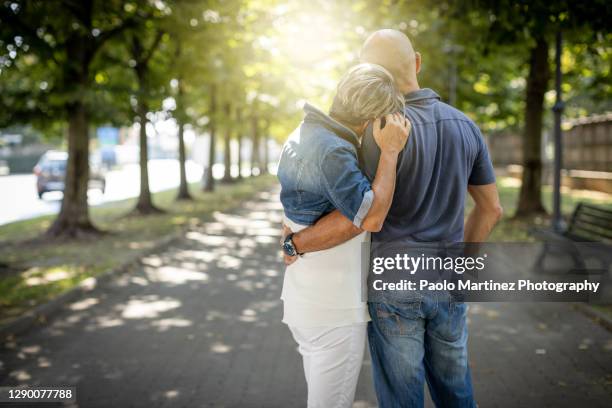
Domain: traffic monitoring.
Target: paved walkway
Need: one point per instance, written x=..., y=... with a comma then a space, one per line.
x=199, y=325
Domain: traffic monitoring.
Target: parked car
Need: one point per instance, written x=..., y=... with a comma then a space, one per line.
x=51, y=171
x=4, y=168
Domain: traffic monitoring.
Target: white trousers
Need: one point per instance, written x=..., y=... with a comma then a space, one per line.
x=332, y=360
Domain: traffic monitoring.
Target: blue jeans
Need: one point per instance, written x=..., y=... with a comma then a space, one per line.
x=424, y=337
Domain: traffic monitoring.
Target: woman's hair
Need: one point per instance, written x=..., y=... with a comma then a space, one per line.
x=365, y=92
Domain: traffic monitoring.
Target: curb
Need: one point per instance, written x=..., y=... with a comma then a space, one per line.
x=42, y=313
x=599, y=317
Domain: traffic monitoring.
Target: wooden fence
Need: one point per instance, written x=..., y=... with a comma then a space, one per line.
x=587, y=145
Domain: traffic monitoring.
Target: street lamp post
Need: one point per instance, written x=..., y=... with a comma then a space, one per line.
x=557, y=220
x=452, y=50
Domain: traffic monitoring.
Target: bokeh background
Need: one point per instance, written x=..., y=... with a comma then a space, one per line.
x=138, y=204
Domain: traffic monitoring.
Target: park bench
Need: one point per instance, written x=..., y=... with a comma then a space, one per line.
x=587, y=236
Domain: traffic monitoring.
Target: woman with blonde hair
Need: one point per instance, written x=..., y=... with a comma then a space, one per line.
x=319, y=173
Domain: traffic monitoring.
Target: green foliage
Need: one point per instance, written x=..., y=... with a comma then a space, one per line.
x=267, y=56
x=496, y=36
x=39, y=78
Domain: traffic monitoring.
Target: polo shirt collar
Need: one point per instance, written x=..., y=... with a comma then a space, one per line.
x=421, y=95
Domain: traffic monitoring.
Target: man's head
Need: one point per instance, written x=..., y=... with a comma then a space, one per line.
x=365, y=92
x=393, y=50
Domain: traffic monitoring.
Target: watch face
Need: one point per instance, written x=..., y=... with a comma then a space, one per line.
x=288, y=248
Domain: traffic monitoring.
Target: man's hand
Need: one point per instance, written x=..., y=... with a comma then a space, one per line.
x=286, y=258
x=392, y=138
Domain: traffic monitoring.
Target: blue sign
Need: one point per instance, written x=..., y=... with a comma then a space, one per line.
x=108, y=136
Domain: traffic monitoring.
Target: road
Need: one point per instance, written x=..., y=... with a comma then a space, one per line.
x=20, y=201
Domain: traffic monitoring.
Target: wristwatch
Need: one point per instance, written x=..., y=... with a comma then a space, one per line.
x=289, y=247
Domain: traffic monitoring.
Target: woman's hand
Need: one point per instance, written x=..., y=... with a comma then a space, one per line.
x=392, y=138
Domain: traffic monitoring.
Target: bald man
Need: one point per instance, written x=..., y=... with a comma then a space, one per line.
x=415, y=336
x=393, y=50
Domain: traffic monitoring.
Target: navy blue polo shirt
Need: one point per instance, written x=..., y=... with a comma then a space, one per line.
x=444, y=154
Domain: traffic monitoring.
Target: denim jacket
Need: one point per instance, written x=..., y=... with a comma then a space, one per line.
x=319, y=171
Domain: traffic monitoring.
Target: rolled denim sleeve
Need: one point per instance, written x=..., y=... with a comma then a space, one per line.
x=345, y=186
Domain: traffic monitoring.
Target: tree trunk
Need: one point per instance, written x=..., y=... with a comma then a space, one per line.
x=530, y=198
x=239, y=137
x=209, y=181
x=183, y=192
x=255, y=156
x=227, y=146
x=145, y=201
x=266, y=159
x=73, y=219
